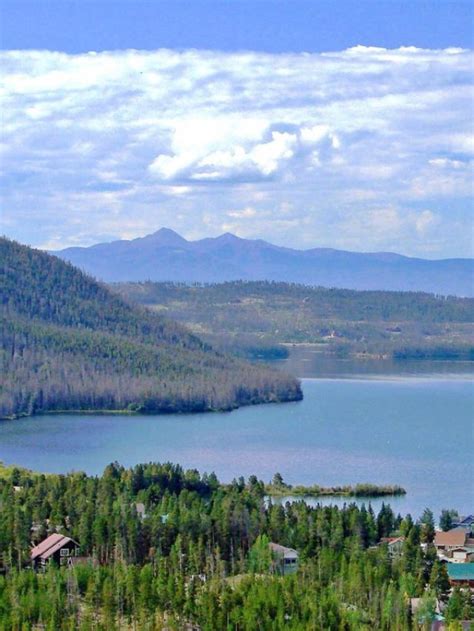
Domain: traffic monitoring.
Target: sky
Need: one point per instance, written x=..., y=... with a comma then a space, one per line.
x=309, y=124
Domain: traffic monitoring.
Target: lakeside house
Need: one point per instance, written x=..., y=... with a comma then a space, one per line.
x=285, y=560
x=394, y=546
x=455, y=545
x=57, y=549
x=464, y=554
x=461, y=574
x=465, y=522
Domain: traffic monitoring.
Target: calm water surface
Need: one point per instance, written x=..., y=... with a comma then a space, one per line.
x=416, y=431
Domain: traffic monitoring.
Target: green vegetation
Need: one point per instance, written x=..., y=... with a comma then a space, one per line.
x=198, y=557
x=255, y=318
x=68, y=343
x=279, y=488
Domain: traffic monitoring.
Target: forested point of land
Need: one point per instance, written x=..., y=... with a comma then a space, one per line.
x=256, y=319
x=279, y=488
x=164, y=548
x=69, y=343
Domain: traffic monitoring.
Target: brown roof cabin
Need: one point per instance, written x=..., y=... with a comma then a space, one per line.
x=57, y=549
x=454, y=538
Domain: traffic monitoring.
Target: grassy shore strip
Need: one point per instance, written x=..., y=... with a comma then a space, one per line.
x=358, y=490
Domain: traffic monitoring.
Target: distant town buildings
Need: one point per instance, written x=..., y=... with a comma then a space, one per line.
x=456, y=545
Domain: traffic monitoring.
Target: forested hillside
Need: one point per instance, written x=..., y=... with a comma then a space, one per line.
x=252, y=317
x=68, y=343
x=164, y=548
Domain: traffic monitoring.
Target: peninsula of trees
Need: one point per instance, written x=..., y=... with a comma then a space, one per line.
x=69, y=344
x=257, y=319
x=279, y=488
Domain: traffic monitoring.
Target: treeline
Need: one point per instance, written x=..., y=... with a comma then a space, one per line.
x=173, y=549
x=344, y=304
x=68, y=343
x=251, y=318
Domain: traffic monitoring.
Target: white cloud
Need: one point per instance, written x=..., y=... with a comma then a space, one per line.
x=246, y=212
x=120, y=143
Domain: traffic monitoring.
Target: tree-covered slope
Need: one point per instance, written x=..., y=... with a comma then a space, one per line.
x=68, y=343
x=255, y=315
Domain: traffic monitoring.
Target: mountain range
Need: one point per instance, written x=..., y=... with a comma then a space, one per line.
x=167, y=256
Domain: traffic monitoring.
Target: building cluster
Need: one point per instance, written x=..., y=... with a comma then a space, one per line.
x=455, y=547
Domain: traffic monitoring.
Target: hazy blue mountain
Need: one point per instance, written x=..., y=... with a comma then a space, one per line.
x=166, y=256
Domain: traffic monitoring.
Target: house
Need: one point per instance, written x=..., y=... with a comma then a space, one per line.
x=464, y=554
x=285, y=560
x=465, y=522
x=57, y=549
x=445, y=542
x=394, y=546
x=140, y=508
x=461, y=574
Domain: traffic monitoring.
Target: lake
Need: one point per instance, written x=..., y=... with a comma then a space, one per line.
x=409, y=424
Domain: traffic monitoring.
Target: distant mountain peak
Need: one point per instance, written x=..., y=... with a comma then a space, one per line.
x=165, y=236
x=228, y=237
x=167, y=256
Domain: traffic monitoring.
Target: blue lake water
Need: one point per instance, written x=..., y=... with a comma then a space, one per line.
x=416, y=431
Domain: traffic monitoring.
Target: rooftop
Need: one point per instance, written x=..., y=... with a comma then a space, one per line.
x=454, y=537
x=461, y=571
x=282, y=550
x=49, y=546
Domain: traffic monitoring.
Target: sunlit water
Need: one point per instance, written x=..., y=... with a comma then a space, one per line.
x=416, y=431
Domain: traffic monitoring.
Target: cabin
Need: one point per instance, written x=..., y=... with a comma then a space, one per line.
x=461, y=574
x=445, y=542
x=57, y=549
x=140, y=508
x=285, y=560
x=394, y=546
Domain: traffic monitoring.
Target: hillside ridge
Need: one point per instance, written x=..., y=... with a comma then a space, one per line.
x=68, y=343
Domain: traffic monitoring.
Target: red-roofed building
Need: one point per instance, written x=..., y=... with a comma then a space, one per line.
x=57, y=548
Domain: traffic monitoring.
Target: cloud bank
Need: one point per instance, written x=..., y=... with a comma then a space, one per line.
x=364, y=149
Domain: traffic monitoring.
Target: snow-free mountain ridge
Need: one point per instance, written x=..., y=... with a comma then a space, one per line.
x=167, y=256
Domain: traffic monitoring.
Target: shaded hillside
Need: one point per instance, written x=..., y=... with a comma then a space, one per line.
x=68, y=343
x=251, y=317
x=166, y=256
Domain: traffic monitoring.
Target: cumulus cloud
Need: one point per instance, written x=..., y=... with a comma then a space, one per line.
x=365, y=148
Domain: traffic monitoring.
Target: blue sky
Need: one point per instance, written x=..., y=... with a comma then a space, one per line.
x=336, y=124
x=76, y=26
